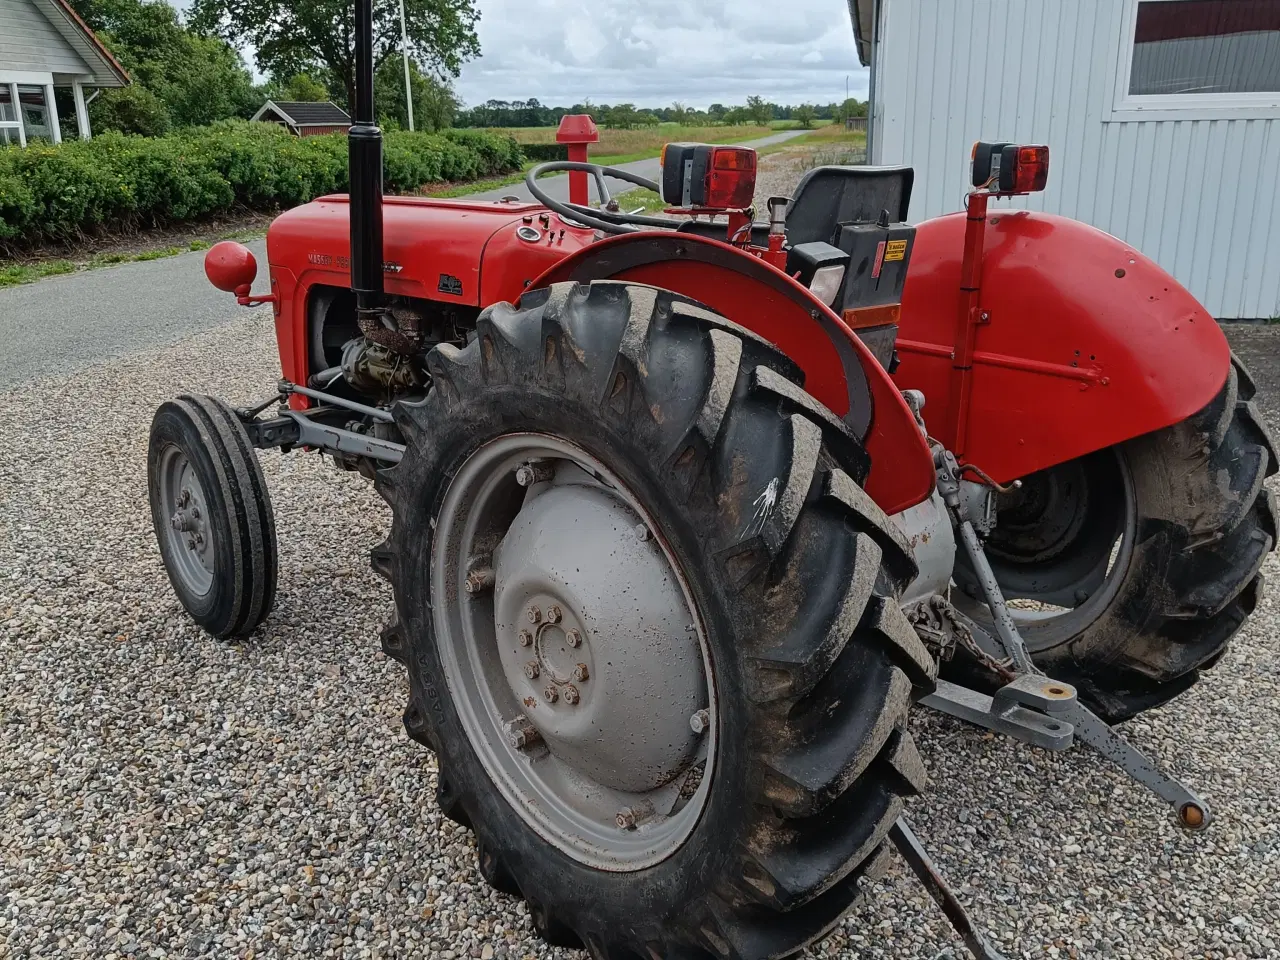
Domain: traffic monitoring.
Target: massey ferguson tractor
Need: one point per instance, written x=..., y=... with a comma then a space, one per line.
x=690, y=511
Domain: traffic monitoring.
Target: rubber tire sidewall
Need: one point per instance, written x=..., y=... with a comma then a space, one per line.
x=609, y=898
x=213, y=610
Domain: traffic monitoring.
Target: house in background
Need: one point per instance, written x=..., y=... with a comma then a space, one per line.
x=44, y=45
x=1162, y=119
x=304, y=119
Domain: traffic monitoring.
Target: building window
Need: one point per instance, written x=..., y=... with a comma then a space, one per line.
x=1198, y=59
x=8, y=117
x=1206, y=46
x=35, y=112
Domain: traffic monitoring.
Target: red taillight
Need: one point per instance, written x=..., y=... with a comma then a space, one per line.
x=731, y=179
x=1031, y=170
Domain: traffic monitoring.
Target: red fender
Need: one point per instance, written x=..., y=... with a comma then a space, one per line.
x=1088, y=342
x=839, y=371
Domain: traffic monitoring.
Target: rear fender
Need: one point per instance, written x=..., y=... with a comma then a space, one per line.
x=1088, y=342
x=839, y=371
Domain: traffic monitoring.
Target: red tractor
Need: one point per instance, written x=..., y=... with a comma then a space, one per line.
x=677, y=544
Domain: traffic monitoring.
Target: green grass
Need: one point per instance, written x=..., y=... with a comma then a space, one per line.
x=795, y=124
x=13, y=274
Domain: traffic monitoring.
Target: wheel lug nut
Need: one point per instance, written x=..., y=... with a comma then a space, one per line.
x=526, y=638
x=478, y=581
x=532, y=473
x=535, y=615
x=700, y=721
x=574, y=638
x=551, y=695
x=629, y=818
x=553, y=614
x=521, y=734
x=642, y=533
x=571, y=695
x=531, y=670
x=195, y=513
x=580, y=673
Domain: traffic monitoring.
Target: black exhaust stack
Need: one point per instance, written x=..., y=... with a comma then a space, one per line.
x=364, y=169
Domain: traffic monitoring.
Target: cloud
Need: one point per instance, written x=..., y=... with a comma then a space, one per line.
x=653, y=53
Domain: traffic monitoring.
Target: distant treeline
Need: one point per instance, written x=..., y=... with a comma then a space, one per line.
x=532, y=113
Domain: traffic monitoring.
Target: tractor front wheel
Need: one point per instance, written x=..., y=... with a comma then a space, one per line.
x=1129, y=570
x=651, y=626
x=212, y=515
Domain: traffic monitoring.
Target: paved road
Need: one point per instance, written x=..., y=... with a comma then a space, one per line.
x=63, y=323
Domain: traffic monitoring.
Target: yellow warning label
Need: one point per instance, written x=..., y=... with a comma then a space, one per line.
x=896, y=250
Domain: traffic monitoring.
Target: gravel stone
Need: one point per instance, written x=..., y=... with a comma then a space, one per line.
x=163, y=794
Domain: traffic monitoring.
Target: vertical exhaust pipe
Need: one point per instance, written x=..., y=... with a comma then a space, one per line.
x=364, y=169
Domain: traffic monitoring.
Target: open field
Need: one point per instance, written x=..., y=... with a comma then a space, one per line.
x=620, y=146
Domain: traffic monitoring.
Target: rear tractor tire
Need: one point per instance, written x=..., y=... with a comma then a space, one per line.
x=212, y=515
x=651, y=626
x=1148, y=553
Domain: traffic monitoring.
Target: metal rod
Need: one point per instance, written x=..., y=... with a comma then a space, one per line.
x=404, y=47
x=922, y=866
x=1006, y=629
x=1190, y=811
x=364, y=169
x=377, y=414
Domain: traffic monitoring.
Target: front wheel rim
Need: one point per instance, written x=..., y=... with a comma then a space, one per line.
x=185, y=527
x=574, y=652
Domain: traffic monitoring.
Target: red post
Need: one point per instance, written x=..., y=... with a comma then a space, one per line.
x=969, y=317
x=577, y=131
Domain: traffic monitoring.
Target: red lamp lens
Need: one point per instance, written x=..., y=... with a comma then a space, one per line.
x=1032, y=169
x=731, y=180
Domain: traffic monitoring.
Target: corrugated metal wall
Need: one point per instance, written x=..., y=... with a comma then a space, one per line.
x=1198, y=196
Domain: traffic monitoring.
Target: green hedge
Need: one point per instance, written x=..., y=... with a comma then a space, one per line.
x=115, y=182
x=545, y=152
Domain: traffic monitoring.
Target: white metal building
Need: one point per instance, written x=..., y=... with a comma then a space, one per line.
x=1162, y=118
x=44, y=45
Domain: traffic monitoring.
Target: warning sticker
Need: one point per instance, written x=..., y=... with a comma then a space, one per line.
x=896, y=250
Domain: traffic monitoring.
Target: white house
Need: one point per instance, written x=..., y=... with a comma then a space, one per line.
x=44, y=45
x=1162, y=118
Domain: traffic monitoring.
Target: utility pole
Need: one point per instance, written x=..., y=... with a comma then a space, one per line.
x=408, y=88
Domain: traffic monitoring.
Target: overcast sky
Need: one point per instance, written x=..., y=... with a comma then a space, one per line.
x=654, y=52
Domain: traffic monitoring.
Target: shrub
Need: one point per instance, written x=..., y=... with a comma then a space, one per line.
x=545, y=152
x=116, y=182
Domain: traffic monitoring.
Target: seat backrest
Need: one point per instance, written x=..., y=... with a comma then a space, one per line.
x=826, y=197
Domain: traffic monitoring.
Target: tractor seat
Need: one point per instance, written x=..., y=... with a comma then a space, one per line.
x=827, y=197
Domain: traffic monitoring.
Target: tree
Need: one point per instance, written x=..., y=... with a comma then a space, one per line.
x=759, y=111
x=434, y=104
x=131, y=109
x=301, y=88
x=805, y=114
x=852, y=107
x=195, y=79
x=679, y=113
x=297, y=35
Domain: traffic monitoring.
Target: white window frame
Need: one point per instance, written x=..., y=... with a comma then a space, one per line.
x=1127, y=107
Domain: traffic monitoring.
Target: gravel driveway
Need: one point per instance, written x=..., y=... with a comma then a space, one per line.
x=166, y=795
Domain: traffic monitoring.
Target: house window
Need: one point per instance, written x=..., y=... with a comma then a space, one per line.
x=1199, y=59
x=8, y=117
x=35, y=112
x=1206, y=46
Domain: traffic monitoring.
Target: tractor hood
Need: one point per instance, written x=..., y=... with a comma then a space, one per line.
x=431, y=248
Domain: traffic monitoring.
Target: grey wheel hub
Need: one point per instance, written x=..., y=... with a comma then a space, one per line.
x=596, y=639
x=573, y=652
x=188, y=533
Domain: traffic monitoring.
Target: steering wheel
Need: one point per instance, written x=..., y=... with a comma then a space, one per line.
x=608, y=221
